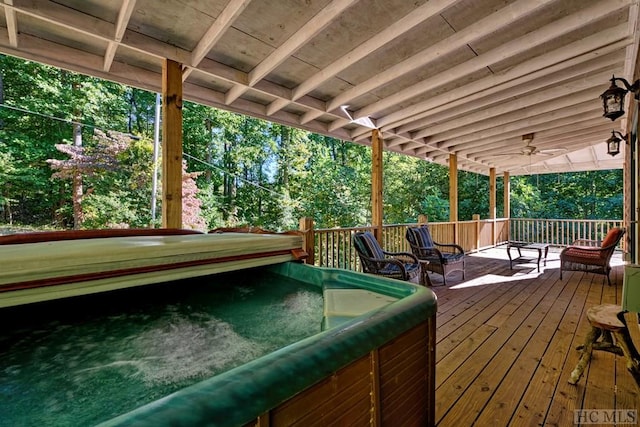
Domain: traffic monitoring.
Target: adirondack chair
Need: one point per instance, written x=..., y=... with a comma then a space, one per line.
x=592, y=256
x=374, y=260
x=443, y=258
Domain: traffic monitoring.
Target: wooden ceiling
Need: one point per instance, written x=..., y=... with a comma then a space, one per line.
x=469, y=77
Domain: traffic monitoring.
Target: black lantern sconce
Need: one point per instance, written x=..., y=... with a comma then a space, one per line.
x=613, y=98
x=613, y=143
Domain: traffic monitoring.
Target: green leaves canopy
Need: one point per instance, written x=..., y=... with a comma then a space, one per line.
x=247, y=171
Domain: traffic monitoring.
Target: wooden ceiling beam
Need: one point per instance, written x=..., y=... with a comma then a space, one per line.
x=105, y=31
x=385, y=36
x=12, y=24
x=586, y=110
x=395, y=30
x=459, y=39
x=301, y=37
x=519, y=120
x=510, y=49
x=493, y=158
x=65, y=17
x=558, y=141
x=538, y=102
x=480, y=89
x=223, y=21
x=598, y=63
x=577, y=54
x=568, y=81
x=124, y=15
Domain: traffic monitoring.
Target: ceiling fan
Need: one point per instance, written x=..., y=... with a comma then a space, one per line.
x=530, y=150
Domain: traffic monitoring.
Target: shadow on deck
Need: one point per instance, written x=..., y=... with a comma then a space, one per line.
x=506, y=344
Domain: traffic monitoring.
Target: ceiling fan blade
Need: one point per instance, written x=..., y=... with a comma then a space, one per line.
x=553, y=150
x=515, y=153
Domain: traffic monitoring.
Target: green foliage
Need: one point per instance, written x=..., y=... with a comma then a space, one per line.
x=239, y=170
x=113, y=210
x=587, y=195
x=114, y=167
x=53, y=98
x=338, y=190
x=413, y=187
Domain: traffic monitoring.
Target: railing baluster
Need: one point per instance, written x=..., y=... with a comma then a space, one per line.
x=334, y=247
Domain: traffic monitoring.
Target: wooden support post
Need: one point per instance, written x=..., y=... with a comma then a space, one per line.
x=376, y=184
x=506, y=210
x=308, y=239
x=476, y=218
x=492, y=193
x=171, y=144
x=492, y=204
x=506, y=213
x=453, y=194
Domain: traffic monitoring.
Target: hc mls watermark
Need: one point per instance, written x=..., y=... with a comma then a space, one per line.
x=605, y=416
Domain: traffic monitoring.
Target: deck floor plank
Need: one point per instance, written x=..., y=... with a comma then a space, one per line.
x=449, y=363
x=512, y=388
x=471, y=375
x=599, y=380
x=506, y=345
x=567, y=397
x=535, y=402
x=470, y=318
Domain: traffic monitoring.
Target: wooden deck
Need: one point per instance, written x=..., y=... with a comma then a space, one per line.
x=506, y=345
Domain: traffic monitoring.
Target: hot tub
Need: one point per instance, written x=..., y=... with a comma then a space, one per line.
x=371, y=360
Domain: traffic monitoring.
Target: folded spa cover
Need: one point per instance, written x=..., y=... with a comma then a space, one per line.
x=43, y=270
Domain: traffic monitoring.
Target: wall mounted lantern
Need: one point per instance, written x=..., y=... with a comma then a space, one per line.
x=613, y=143
x=613, y=98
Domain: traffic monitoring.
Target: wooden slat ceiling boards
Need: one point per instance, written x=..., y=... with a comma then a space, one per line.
x=469, y=77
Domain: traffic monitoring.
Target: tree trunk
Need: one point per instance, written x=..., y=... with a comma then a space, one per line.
x=77, y=177
x=208, y=174
x=230, y=211
x=1, y=96
x=77, y=182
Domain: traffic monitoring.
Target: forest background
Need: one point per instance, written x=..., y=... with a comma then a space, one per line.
x=77, y=152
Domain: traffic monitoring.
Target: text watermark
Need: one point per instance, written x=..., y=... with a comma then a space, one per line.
x=605, y=416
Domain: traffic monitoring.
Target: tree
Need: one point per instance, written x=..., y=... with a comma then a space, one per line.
x=96, y=162
x=243, y=170
x=40, y=109
x=191, y=215
x=338, y=189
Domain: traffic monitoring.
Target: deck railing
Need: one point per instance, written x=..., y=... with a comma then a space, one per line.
x=332, y=247
x=560, y=232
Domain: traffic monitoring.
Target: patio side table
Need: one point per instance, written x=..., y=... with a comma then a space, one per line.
x=539, y=247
